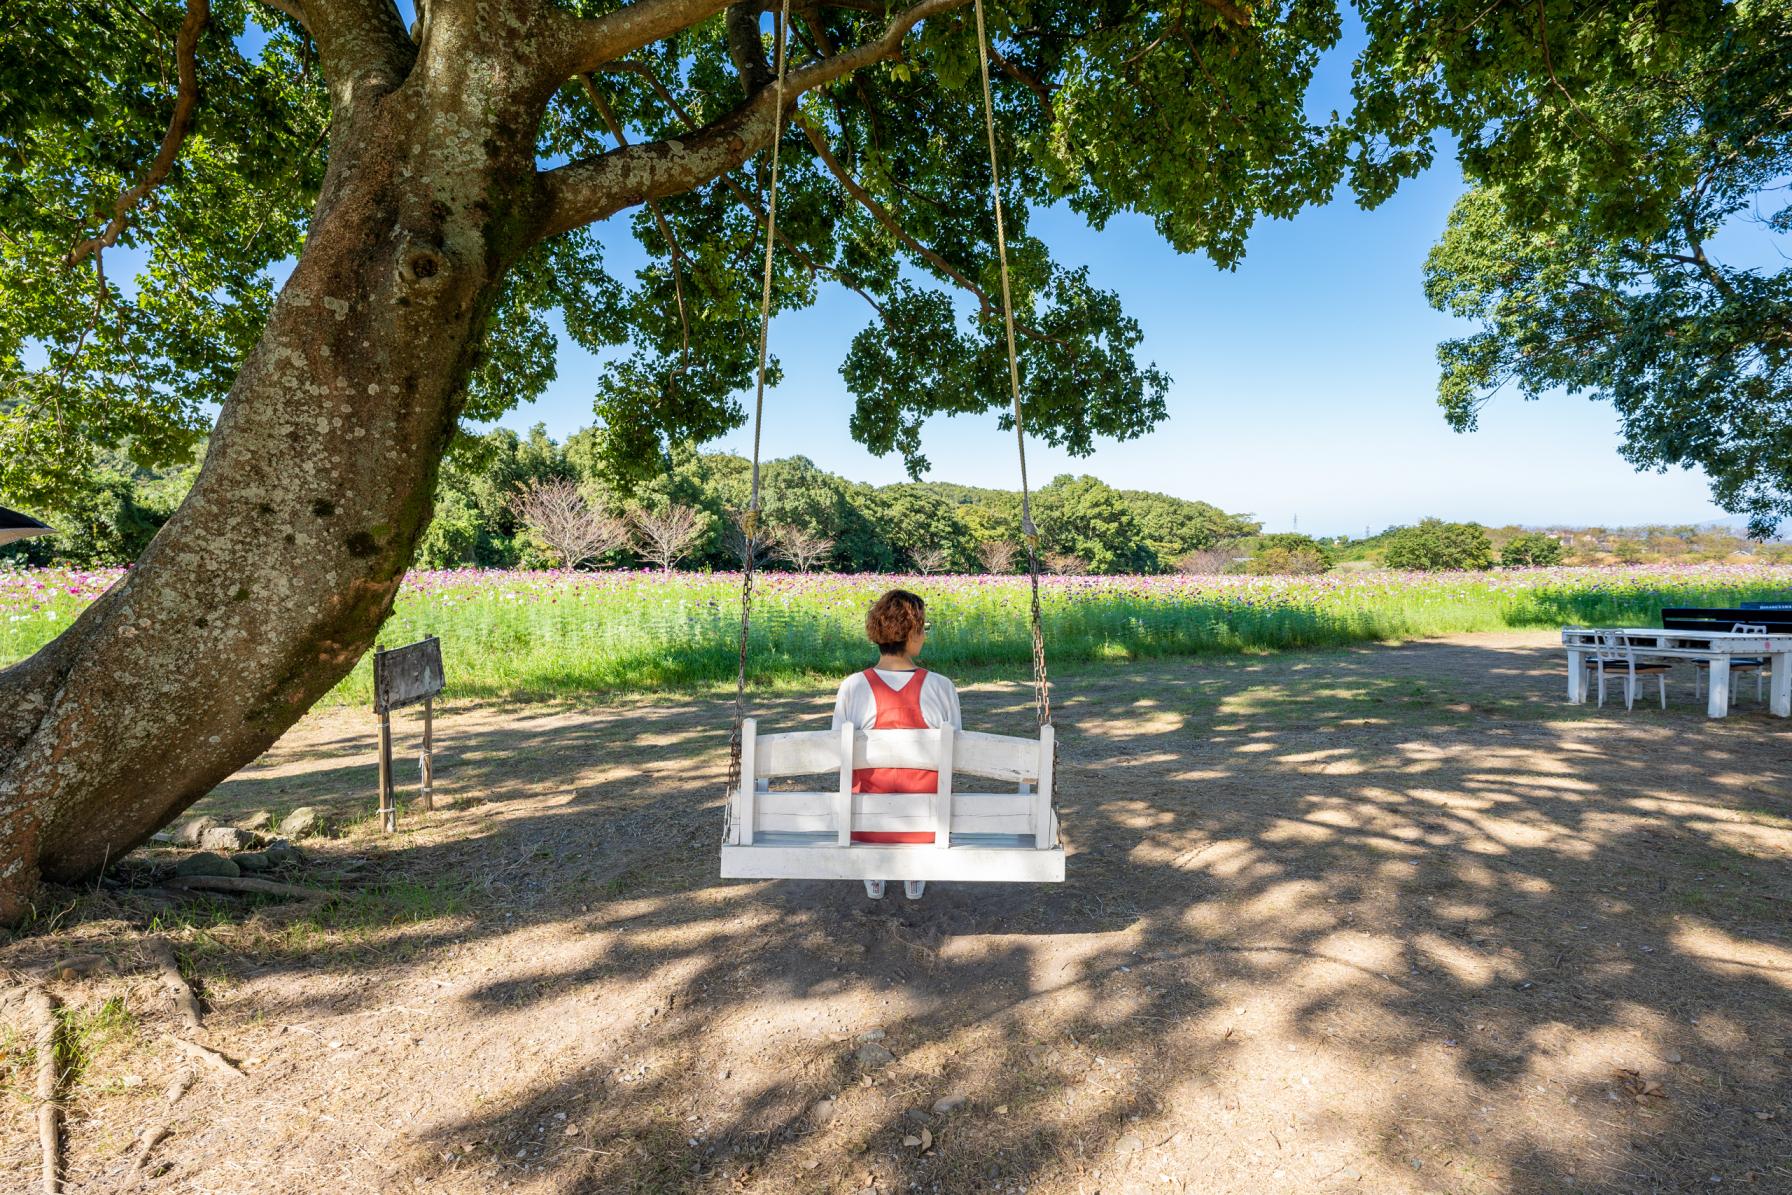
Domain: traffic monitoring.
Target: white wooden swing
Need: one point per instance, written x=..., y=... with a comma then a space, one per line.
x=984, y=836
x=977, y=835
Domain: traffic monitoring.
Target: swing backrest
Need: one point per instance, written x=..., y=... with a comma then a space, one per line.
x=1024, y=763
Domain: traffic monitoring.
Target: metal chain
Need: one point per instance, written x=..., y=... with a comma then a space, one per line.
x=1042, y=697
x=749, y=520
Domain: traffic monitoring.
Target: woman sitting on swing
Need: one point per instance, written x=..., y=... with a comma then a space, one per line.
x=896, y=694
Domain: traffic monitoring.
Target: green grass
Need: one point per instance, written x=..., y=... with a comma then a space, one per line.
x=543, y=634
x=88, y=1032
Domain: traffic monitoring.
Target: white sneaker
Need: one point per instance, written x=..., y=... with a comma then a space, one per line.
x=874, y=889
x=913, y=889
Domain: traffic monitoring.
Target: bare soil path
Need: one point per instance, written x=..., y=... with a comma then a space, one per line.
x=1391, y=919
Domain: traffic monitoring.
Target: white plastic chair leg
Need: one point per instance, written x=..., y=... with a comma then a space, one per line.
x=1664, y=689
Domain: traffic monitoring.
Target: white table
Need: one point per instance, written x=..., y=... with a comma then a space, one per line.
x=1718, y=647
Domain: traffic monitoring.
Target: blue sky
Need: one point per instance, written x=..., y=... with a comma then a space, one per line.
x=1304, y=384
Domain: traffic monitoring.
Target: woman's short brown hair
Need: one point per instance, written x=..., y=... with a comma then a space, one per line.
x=893, y=618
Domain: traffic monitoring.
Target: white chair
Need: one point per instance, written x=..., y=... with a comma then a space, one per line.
x=1009, y=836
x=1613, y=652
x=1755, y=664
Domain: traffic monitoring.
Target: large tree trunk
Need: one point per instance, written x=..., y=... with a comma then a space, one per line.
x=274, y=575
x=271, y=580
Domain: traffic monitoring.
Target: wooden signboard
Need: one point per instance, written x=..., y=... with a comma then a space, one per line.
x=404, y=676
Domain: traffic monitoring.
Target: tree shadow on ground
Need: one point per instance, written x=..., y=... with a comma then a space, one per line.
x=1381, y=919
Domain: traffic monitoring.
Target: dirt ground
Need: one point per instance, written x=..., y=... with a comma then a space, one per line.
x=1390, y=919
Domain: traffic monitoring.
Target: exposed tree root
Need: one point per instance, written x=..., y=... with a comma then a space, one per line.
x=244, y=884
x=185, y=1002
x=36, y=1008
x=183, y=1083
x=211, y=1058
x=150, y=1138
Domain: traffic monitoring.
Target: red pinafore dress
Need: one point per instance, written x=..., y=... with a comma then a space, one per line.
x=897, y=709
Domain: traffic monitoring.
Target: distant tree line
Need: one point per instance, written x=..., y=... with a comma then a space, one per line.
x=510, y=500
x=1434, y=544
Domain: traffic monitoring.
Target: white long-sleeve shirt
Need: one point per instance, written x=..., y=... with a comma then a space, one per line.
x=856, y=704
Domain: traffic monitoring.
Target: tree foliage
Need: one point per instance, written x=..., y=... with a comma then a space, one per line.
x=1284, y=553
x=1530, y=549
x=1591, y=251
x=1192, y=115
x=1089, y=520
x=131, y=362
x=1435, y=545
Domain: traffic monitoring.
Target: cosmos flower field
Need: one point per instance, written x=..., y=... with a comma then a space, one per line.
x=535, y=633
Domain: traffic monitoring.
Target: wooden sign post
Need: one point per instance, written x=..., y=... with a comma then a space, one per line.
x=401, y=677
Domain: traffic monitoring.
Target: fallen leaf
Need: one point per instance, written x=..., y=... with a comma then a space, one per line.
x=926, y=1140
x=911, y=1140
x=1001, y=1109
x=1638, y=1087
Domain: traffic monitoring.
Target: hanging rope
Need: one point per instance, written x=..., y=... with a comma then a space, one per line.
x=1042, y=696
x=749, y=518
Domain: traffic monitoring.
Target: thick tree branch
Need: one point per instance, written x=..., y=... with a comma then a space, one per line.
x=292, y=8
x=363, y=46
x=746, y=48
x=589, y=43
x=592, y=188
x=742, y=195
x=186, y=45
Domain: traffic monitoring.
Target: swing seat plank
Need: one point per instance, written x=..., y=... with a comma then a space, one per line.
x=1020, y=863
x=982, y=836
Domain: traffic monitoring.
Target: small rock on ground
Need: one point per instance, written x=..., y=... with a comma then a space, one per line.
x=872, y=1054
x=948, y=1103
x=821, y=1112
x=190, y=832
x=252, y=860
x=227, y=838
x=206, y=863
x=302, y=821
x=279, y=852
x=261, y=819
